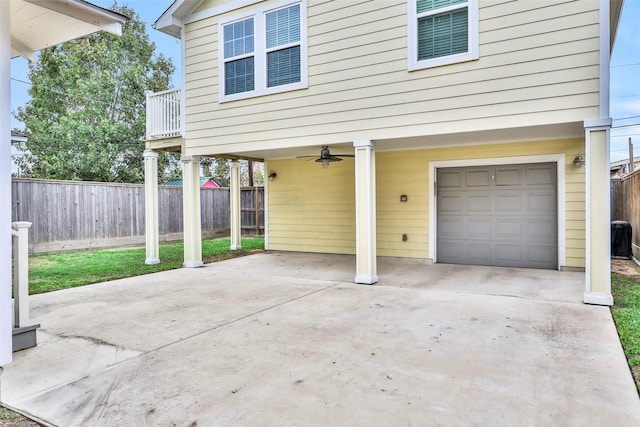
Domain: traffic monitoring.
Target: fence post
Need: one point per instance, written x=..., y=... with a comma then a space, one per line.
x=257, y=205
x=20, y=230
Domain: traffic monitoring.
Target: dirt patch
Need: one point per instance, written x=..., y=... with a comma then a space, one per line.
x=625, y=267
x=8, y=418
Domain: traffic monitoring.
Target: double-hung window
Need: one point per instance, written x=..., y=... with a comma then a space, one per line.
x=264, y=52
x=442, y=32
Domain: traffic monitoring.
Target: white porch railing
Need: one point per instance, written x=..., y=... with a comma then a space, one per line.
x=164, y=114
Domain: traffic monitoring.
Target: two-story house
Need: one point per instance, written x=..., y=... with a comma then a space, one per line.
x=454, y=131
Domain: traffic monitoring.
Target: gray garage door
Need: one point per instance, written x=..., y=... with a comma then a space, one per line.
x=498, y=215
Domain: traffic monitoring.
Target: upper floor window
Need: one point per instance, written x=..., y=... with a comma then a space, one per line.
x=263, y=53
x=442, y=32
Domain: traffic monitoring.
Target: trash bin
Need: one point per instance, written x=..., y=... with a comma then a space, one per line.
x=621, y=239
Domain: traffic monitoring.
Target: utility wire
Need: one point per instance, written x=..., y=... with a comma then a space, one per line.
x=625, y=135
x=625, y=126
x=59, y=92
x=627, y=118
x=626, y=65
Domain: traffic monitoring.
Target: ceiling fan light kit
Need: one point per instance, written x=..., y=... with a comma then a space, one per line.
x=326, y=158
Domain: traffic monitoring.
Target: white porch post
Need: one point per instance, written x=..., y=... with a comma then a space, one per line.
x=191, y=211
x=365, y=165
x=21, y=274
x=6, y=324
x=598, y=214
x=234, y=190
x=152, y=240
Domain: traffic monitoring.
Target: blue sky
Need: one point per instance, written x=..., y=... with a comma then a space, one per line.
x=625, y=83
x=625, y=70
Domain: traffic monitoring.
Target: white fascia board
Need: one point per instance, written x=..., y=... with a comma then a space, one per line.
x=603, y=123
x=615, y=11
x=172, y=20
x=104, y=19
x=18, y=47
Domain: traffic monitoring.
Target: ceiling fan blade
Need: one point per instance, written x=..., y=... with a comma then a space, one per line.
x=330, y=159
x=344, y=155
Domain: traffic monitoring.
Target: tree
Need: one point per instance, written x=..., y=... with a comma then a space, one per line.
x=218, y=169
x=86, y=116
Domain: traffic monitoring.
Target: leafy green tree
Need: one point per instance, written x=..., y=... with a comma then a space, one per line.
x=86, y=117
x=218, y=169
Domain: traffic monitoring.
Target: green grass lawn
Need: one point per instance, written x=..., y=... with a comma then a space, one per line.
x=626, y=314
x=50, y=272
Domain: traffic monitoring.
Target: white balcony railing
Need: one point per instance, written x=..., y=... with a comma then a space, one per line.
x=164, y=114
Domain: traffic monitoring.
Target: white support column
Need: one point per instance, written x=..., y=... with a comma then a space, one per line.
x=191, y=211
x=6, y=324
x=21, y=274
x=152, y=239
x=234, y=190
x=597, y=214
x=366, y=258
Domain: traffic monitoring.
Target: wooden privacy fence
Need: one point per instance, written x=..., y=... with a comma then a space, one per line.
x=625, y=205
x=70, y=215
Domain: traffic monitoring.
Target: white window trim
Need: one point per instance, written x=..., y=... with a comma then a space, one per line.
x=260, y=53
x=412, y=35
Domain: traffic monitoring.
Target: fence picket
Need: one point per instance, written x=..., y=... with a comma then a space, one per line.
x=76, y=215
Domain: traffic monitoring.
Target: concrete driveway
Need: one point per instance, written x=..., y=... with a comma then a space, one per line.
x=288, y=339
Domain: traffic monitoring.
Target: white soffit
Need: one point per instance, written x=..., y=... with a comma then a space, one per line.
x=37, y=24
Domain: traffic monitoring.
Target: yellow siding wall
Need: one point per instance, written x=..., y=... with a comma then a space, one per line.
x=312, y=209
x=305, y=201
x=538, y=64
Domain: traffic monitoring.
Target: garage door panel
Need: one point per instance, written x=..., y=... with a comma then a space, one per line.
x=540, y=175
x=451, y=203
x=541, y=254
x=479, y=228
x=451, y=179
x=509, y=202
x=503, y=215
x=451, y=227
x=479, y=202
x=478, y=178
x=508, y=229
x=477, y=253
x=508, y=254
x=451, y=252
x=541, y=229
x=508, y=176
x=541, y=201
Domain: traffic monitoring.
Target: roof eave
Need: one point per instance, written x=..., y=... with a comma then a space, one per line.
x=171, y=21
x=82, y=17
x=615, y=11
x=105, y=19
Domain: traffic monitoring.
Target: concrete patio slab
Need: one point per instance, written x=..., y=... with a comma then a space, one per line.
x=287, y=339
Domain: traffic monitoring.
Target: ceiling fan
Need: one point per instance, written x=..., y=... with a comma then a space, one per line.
x=326, y=157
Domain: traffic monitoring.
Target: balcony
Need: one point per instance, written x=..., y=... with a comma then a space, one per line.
x=164, y=117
